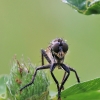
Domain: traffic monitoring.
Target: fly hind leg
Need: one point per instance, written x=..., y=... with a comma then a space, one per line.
x=43, y=54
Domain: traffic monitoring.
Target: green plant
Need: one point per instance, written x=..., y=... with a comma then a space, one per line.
x=21, y=73
x=89, y=90
x=86, y=7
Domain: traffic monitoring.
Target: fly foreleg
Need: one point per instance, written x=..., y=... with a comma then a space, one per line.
x=77, y=77
x=57, y=83
x=67, y=70
x=63, y=79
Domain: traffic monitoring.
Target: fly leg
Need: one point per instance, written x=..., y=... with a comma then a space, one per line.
x=51, y=70
x=77, y=77
x=33, y=78
x=43, y=54
x=65, y=78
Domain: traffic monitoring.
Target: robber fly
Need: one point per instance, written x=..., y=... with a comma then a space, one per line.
x=55, y=54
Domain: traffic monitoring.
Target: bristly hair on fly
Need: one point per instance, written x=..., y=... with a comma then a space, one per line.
x=48, y=49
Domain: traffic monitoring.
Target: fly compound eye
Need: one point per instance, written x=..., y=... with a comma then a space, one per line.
x=65, y=47
x=55, y=47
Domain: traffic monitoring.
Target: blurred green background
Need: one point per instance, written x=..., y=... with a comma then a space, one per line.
x=26, y=26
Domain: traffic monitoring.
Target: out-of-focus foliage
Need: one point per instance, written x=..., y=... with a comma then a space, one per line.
x=86, y=7
x=20, y=75
x=3, y=80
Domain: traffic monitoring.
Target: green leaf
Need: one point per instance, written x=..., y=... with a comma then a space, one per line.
x=3, y=80
x=89, y=90
x=86, y=7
